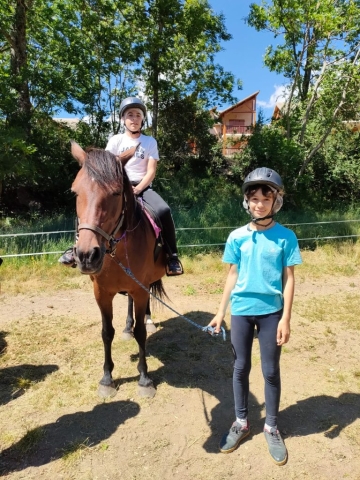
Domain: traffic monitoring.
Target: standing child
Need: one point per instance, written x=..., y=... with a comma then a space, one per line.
x=260, y=285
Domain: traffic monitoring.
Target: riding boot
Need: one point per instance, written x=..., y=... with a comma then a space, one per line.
x=174, y=266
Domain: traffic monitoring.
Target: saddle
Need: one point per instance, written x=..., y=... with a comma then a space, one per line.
x=155, y=224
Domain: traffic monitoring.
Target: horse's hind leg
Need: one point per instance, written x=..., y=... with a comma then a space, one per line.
x=150, y=325
x=127, y=333
x=146, y=387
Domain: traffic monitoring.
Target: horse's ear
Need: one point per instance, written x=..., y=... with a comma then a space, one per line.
x=124, y=157
x=77, y=152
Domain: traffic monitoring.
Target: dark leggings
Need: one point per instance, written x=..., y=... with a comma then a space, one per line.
x=162, y=210
x=242, y=336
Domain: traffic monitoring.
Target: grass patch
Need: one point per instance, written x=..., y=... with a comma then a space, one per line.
x=333, y=259
x=342, y=307
x=75, y=451
x=30, y=440
x=44, y=273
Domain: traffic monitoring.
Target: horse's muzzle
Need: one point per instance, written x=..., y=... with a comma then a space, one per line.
x=91, y=261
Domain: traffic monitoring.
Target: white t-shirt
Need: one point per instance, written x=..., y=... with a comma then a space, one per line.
x=136, y=167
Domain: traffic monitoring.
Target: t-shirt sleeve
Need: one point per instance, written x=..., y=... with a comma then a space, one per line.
x=231, y=252
x=292, y=255
x=153, y=150
x=112, y=145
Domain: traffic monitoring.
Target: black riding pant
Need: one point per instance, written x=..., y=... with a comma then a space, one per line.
x=242, y=336
x=163, y=212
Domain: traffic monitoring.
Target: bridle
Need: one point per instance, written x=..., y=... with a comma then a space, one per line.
x=110, y=238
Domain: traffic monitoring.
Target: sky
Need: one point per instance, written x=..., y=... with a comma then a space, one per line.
x=243, y=55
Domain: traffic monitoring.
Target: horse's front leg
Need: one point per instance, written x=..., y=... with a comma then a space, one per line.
x=146, y=387
x=104, y=300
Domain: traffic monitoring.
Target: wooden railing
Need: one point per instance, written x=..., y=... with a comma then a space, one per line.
x=237, y=129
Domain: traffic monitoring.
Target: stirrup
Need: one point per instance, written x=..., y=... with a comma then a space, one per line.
x=174, y=267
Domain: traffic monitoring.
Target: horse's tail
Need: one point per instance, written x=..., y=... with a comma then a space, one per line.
x=157, y=289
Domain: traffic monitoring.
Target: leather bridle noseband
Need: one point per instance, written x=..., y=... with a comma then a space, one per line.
x=110, y=238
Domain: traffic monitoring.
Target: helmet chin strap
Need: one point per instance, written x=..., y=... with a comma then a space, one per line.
x=131, y=132
x=257, y=220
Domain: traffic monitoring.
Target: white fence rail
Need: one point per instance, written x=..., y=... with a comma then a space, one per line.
x=33, y=234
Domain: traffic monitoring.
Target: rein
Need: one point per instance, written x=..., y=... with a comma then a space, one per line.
x=206, y=329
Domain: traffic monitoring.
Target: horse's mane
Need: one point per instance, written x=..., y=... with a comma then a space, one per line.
x=108, y=172
x=103, y=167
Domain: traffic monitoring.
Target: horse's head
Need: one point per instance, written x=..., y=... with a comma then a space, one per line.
x=99, y=188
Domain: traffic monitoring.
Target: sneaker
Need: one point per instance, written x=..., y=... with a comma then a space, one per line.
x=276, y=446
x=174, y=267
x=231, y=440
x=67, y=258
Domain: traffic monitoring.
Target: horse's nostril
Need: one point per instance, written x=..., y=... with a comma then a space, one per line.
x=94, y=254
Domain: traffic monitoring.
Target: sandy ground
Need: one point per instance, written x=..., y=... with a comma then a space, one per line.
x=176, y=434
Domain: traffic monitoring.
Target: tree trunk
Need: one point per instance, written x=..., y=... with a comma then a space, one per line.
x=21, y=115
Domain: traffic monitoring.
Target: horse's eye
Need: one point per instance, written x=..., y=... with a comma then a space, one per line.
x=117, y=194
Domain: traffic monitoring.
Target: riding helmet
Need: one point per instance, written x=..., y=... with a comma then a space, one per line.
x=132, y=102
x=263, y=176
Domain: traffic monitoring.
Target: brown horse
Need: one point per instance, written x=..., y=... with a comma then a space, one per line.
x=113, y=230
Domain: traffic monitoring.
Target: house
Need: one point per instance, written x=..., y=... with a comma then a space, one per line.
x=278, y=111
x=68, y=122
x=234, y=123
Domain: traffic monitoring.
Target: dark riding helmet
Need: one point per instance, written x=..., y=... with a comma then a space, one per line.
x=263, y=176
x=132, y=102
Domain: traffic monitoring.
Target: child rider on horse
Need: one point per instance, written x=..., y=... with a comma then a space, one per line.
x=260, y=285
x=141, y=171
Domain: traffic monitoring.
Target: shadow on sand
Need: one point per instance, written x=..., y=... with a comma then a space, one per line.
x=88, y=428
x=13, y=380
x=191, y=359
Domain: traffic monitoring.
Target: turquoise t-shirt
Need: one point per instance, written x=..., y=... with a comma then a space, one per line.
x=260, y=257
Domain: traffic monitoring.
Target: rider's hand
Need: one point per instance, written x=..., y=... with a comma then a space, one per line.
x=136, y=190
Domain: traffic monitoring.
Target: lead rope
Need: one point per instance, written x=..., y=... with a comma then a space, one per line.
x=207, y=329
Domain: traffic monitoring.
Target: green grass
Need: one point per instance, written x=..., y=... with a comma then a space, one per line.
x=30, y=440
x=75, y=451
x=342, y=307
x=209, y=223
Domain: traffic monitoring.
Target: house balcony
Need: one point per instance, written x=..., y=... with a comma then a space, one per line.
x=237, y=129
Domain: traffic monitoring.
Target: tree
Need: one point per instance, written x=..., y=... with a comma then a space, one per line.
x=59, y=55
x=181, y=40
x=84, y=57
x=319, y=55
x=191, y=140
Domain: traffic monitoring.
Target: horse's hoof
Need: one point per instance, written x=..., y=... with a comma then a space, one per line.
x=127, y=335
x=107, y=391
x=150, y=327
x=146, y=392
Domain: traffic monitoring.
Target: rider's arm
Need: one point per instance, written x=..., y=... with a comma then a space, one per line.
x=148, y=178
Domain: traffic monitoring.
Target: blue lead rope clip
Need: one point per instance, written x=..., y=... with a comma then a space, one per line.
x=211, y=331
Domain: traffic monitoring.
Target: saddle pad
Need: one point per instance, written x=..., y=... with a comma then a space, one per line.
x=155, y=227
